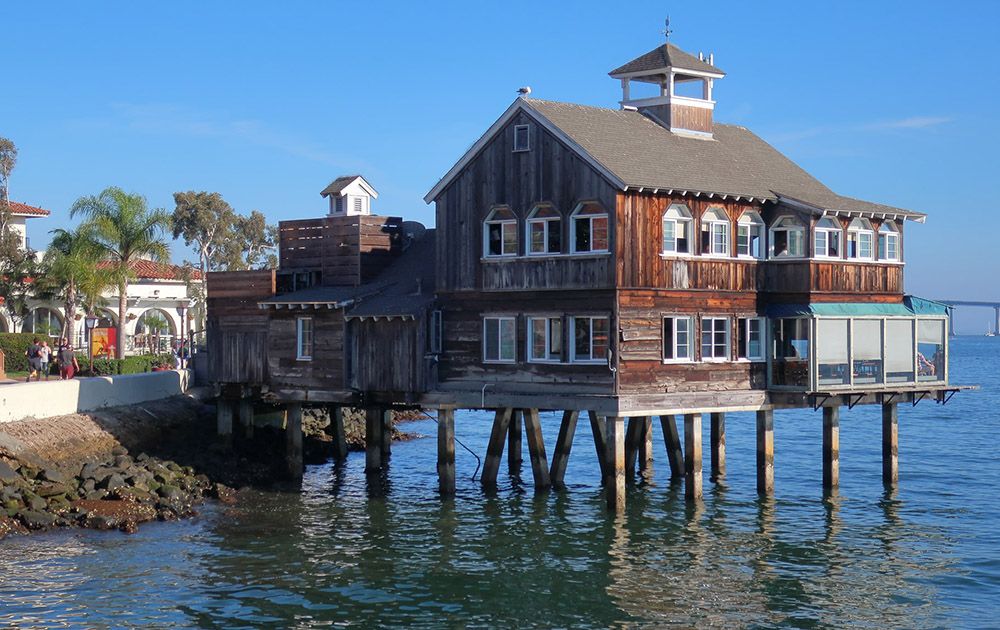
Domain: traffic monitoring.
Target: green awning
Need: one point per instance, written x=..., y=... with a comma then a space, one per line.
x=909, y=307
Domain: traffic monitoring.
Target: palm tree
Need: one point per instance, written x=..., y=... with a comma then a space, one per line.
x=127, y=231
x=155, y=325
x=71, y=257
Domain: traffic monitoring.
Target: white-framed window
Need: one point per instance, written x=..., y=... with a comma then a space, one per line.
x=522, y=138
x=788, y=237
x=750, y=338
x=436, y=332
x=340, y=205
x=677, y=338
x=750, y=235
x=888, y=241
x=500, y=233
x=545, y=339
x=860, y=240
x=715, y=339
x=677, y=229
x=590, y=228
x=715, y=232
x=827, y=240
x=590, y=339
x=304, y=338
x=544, y=231
x=499, y=339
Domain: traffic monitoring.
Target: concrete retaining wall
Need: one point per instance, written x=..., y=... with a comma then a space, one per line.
x=58, y=398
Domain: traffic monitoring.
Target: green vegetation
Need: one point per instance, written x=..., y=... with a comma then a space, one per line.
x=14, y=346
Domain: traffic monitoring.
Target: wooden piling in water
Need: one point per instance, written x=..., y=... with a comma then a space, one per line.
x=514, y=441
x=614, y=432
x=293, y=440
x=692, y=456
x=494, y=449
x=224, y=418
x=601, y=446
x=890, y=445
x=831, y=447
x=446, y=452
x=336, y=431
x=386, y=434
x=536, y=449
x=633, y=434
x=246, y=417
x=373, y=439
x=564, y=443
x=765, y=452
x=672, y=441
x=646, y=449
x=718, y=437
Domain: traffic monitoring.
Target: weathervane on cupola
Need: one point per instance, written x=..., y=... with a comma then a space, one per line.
x=666, y=30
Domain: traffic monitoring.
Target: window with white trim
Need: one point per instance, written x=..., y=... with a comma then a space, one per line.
x=303, y=339
x=499, y=339
x=677, y=229
x=339, y=205
x=590, y=228
x=715, y=232
x=750, y=235
x=750, y=338
x=860, y=237
x=788, y=237
x=522, y=138
x=544, y=231
x=500, y=233
x=888, y=241
x=677, y=339
x=590, y=339
x=715, y=339
x=545, y=339
x=827, y=239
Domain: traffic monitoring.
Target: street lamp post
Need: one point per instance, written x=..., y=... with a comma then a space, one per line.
x=91, y=323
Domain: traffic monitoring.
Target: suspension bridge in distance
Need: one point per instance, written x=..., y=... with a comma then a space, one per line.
x=951, y=311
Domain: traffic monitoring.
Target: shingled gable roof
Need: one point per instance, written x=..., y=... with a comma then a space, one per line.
x=666, y=56
x=632, y=151
x=338, y=185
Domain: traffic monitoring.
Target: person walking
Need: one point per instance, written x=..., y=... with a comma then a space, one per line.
x=44, y=359
x=67, y=361
x=33, y=362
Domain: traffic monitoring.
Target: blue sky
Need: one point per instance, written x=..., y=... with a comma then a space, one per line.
x=267, y=102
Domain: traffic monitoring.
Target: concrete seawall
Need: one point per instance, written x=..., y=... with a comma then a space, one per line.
x=47, y=399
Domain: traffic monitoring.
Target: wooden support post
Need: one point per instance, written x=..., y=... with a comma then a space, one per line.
x=536, y=449
x=246, y=417
x=831, y=447
x=494, y=450
x=293, y=439
x=386, y=434
x=373, y=439
x=646, y=449
x=633, y=434
x=564, y=443
x=765, y=452
x=692, y=456
x=718, y=432
x=446, y=452
x=514, y=441
x=672, y=440
x=336, y=430
x=615, y=455
x=224, y=418
x=890, y=445
x=601, y=446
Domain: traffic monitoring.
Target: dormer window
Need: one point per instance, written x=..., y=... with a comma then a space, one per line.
x=750, y=235
x=500, y=233
x=677, y=230
x=544, y=231
x=590, y=228
x=860, y=237
x=788, y=237
x=715, y=232
x=888, y=241
x=827, y=241
x=339, y=205
x=522, y=138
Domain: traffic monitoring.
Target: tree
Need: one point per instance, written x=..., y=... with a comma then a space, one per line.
x=252, y=244
x=206, y=220
x=155, y=326
x=70, y=262
x=8, y=158
x=18, y=268
x=127, y=231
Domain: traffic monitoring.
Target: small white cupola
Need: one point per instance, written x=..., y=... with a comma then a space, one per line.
x=350, y=195
x=684, y=84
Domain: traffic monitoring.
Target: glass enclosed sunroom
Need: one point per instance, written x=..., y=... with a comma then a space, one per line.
x=856, y=346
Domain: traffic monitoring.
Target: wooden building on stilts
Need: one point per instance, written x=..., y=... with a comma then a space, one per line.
x=621, y=264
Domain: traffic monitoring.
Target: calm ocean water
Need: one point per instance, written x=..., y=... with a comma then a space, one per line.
x=926, y=556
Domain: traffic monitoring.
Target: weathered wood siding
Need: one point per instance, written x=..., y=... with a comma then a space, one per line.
x=860, y=280
x=345, y=250
x=326, y=369
x=387, y=355
x=236, y=334
x=549, y=173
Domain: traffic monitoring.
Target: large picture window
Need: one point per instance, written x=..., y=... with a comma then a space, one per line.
x=677, y=339
x=888, y=241
x=500, y=233
x=545, y=339
x=831, y=351
x=930, y=350
x=750, y=235
x=304, y=338
x=715, y=339
x=677, y=230
x=827, y=241
x=860, y=237
x=750, y=338
x=866, y=351
x=790, y=352
x=788, y=237
x=499, y=340
x=544, y=231
x=590, y=339
x=590, y=228
x=715, y=232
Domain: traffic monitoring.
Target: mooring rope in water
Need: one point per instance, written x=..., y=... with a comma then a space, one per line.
x=479, y=462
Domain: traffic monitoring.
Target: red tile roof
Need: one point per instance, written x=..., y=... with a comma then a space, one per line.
x=150, y=270
x=26, y=210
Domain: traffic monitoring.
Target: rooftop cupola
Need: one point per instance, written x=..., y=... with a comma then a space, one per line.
x=683, y=99
x=350, y=195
